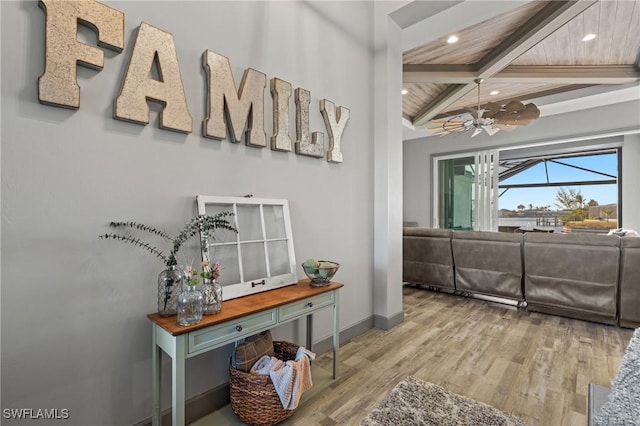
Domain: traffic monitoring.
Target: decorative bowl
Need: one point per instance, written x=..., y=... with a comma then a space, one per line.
x=321, y=275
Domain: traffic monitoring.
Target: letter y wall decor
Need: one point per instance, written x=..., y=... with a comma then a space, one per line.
x=238, y=110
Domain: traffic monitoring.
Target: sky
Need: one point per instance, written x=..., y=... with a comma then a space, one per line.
x=603, y=194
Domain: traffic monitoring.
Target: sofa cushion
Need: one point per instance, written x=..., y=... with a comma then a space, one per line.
x=488, y=263
x=574, y=275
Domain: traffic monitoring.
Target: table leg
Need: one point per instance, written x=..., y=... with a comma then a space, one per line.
x=177, y=371
x=156, y=378
x=310, y=332
x=336, y=338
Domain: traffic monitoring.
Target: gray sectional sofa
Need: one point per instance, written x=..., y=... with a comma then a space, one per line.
x=583, y=276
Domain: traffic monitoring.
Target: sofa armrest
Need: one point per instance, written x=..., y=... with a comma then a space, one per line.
x=427, y=257
x=629, y=315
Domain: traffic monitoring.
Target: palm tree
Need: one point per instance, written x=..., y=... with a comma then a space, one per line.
x=607, y=213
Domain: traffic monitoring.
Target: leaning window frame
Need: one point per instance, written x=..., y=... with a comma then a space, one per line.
x=256, y=285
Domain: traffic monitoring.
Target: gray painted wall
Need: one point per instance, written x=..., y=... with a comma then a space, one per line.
x=418, y=153
x=74, y=328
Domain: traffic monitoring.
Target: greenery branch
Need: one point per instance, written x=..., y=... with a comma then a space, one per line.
x=200, y=224
x=141, y=227
x=137, y=242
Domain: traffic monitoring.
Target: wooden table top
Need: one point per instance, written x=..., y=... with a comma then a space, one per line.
x=242, y=306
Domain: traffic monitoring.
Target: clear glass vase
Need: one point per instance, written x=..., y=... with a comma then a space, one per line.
x=190, y=305
x=169, y=288
x=212, y=293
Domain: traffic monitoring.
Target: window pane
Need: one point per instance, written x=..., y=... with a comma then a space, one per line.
x=457, y=177
x=253, y=262
x=249, y=223
x=228, y=258
x=274, y=222
x=278, y=257
x=213, y=209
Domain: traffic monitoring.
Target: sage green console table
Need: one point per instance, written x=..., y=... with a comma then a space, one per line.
x=239, y=318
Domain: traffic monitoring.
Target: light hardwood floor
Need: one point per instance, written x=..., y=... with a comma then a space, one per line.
x=533, y=365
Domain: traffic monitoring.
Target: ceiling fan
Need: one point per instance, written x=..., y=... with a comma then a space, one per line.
x=491, y=119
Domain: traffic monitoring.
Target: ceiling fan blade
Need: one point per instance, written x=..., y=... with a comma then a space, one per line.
x=453, y=124
x=447, y=127
x=492, y=108
x=530, y=110
x=525, y=116
x=515, y=121
x=476, y=131
x=514, y=106
x=440, y=133
x=509, y=121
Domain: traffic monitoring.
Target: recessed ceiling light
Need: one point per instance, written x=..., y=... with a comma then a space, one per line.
x=589, y=36
x=405, y=91
x=452, y=39
x=494, y=92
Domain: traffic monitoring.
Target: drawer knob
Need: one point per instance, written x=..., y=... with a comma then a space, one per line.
x=310, y=305
x=238, y=328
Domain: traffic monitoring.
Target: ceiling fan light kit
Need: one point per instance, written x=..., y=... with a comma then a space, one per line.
x=490, y=119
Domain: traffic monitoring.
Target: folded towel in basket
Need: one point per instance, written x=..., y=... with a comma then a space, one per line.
x=291, y=378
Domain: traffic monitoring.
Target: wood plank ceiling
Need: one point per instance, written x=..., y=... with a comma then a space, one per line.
x=529, y=52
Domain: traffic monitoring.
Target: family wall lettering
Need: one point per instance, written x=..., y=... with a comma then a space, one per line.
x=240, y=111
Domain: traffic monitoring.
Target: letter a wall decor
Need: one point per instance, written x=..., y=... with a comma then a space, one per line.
x=154, y=47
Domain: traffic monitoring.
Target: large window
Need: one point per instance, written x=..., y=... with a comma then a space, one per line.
x=557, y=187
x=578, y=190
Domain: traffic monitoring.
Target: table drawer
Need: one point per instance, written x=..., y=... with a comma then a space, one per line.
x=305, y=306
x=230, y=331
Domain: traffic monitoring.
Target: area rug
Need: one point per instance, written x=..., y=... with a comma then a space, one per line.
x=623, y=404
x=415, y=402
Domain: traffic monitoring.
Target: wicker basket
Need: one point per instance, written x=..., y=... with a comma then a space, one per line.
x=253, y=396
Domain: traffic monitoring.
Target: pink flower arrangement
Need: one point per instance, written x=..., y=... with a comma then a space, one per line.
x=190, y=276
x=210, y=271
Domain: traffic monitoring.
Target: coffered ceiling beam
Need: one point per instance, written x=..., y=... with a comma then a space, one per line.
x=544, y=23
x=447, y=97
x=574, y=74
